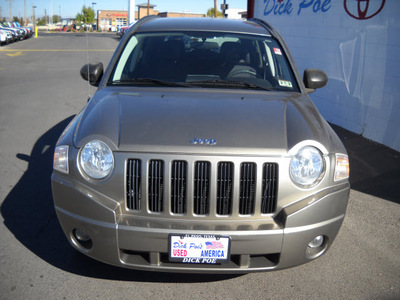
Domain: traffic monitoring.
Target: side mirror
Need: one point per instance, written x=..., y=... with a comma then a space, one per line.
x=314, y=79
x=92, y=73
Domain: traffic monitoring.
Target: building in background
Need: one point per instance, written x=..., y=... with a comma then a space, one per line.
x=235, y=13
x=145, y=10
x=110, y=20
x=181, y=14
x=357, y=43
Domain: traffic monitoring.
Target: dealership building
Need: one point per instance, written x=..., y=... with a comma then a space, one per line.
x=357, y=43
x=111, y=20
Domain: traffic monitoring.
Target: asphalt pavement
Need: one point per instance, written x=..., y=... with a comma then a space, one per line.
x=41, y=90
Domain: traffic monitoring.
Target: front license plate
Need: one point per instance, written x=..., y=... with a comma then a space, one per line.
x=199, y=248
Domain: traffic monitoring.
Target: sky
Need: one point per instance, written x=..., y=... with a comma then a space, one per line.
x=69, y=9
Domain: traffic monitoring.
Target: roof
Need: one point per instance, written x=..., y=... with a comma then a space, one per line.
x=203, y=24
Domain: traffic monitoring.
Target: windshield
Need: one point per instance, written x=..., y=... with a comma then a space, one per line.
x=206, y=59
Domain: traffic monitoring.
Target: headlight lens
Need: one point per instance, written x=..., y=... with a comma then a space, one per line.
x=60, y=161
x=307, y=166
x=96, y=159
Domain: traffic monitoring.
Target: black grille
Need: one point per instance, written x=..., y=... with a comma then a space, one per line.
x=201, y=188
x=247, y=188
x=133, y=184
x=178, y=187
x=269, y=188
x=156, y=185
x=224, y=188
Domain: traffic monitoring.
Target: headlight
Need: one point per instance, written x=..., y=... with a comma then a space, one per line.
x=307, y=166
x=60, y=161
x=96, y=159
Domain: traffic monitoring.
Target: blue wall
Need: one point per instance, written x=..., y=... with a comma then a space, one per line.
x=358, y=46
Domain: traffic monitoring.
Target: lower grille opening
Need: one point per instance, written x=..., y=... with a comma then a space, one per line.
x=236, y=261
x=135, y=257
x=256, y=261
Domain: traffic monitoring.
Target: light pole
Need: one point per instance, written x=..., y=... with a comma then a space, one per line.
x=224, y=8
x=51, y=13
x=94, y=17
x=10, y=2
x=33, y=16
x=34, y=20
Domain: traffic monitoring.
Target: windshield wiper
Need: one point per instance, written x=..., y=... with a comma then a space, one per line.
x=228, y=83
x=145, y=81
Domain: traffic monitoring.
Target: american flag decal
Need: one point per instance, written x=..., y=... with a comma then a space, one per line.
x=214, y=245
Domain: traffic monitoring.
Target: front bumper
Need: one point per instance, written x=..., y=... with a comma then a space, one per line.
x=142, y=243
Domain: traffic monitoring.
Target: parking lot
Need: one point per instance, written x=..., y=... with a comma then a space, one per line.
x=41, y=90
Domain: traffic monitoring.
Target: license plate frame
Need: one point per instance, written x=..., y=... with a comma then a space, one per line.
x=199, y=248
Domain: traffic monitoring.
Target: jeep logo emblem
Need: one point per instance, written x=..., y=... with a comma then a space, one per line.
x=202, y=141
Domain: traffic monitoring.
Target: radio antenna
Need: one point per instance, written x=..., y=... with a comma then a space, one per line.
x=87, y=52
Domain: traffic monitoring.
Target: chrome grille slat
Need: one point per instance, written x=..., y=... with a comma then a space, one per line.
x=270, y=175
x=224, y=188
x=134, y=184
x=178, y=187
x=156, y=183
x=247, y=188
x=201, y=188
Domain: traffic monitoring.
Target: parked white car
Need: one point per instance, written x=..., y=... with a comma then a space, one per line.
x=5, y=37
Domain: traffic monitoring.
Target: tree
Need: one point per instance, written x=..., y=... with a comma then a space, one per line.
x=16, y=19
x=210, y=13
x=56, y=19
x=86, y=16
x=41, y=21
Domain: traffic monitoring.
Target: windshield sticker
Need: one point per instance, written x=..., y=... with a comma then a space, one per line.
x=277, y=51
x=285, y=83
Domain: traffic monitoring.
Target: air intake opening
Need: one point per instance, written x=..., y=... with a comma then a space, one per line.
x=201, y=188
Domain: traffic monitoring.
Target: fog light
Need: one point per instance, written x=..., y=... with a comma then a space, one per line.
x=82, y=239
x=316, y=242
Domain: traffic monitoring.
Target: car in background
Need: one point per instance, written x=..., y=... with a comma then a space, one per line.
x=201, y=151
x=15, y=35
x=121, y=30
x=5, y=37
x=18, y=33
x=28, y=30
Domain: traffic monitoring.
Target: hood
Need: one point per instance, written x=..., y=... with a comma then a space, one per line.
x=143, y=120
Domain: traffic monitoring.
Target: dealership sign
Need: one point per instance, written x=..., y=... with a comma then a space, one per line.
x=358, y=9
x=281, y=7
